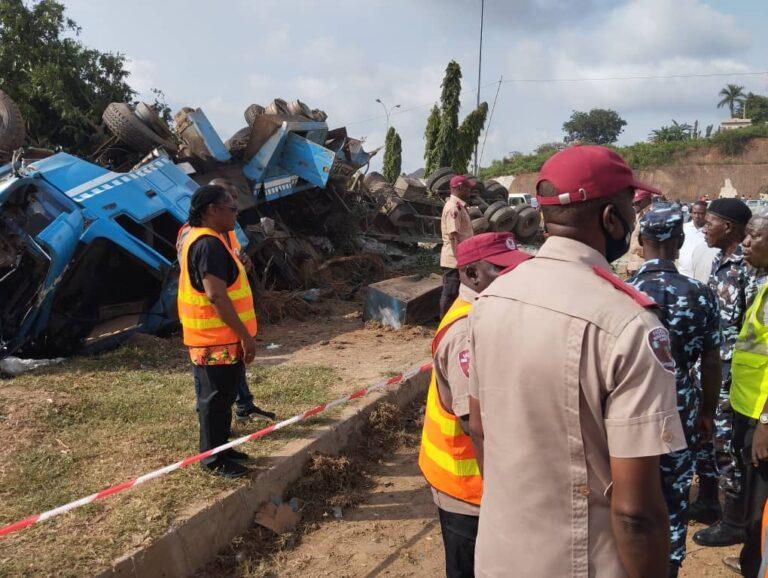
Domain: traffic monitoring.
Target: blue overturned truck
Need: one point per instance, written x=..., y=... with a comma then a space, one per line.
x=87, y=249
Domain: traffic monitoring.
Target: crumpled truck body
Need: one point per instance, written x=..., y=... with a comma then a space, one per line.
x=87, y=256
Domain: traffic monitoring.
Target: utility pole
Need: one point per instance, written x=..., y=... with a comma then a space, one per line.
x=479, y=67
x=387, y=111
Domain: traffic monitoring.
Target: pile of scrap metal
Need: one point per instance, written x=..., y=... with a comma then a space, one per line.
x=87, y=248
x=491, y=207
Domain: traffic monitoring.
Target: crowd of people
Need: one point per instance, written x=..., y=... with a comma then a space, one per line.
x=569, y=411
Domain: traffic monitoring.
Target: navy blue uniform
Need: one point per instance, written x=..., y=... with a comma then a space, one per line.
x=689, y=311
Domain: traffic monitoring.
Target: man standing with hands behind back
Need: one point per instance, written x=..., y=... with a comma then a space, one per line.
x=455, y=227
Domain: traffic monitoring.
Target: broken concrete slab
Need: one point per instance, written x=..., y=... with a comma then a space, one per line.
x=407, y=300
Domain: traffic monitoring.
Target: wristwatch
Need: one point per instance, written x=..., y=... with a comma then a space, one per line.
x=763, y=418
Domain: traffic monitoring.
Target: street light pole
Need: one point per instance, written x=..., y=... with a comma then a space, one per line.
x=387, y=111
x=479, y=67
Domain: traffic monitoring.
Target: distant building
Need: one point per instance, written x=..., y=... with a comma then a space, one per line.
x=733, y=123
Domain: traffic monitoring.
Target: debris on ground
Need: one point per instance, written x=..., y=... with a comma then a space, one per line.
x=16, y=366
x=400, y=301
x=279, y=516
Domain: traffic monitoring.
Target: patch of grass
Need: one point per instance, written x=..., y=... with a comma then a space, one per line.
x=91, y=422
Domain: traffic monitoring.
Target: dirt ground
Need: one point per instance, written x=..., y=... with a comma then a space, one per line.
x=395, y=532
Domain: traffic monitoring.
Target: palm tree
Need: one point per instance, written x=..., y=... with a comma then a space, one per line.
x=732, y=94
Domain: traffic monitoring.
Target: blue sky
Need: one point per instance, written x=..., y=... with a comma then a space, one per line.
x=340, y=56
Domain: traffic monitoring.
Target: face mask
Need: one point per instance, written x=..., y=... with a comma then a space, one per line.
x=617, y=248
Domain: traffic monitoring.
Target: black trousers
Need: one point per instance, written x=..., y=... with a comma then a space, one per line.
x=755, y=489
x=216, y=389
x=459, y=535
x=450, y=290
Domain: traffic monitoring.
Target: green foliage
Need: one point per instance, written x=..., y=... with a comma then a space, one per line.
x=732, y=94
x=733, y=142
x=675, y=132
x=430, y=137
x=447, y=144
x=598, y=126
x=61, y=86
x=393, y=153
x=756, y=108
x=550, y=147
x=469, y=133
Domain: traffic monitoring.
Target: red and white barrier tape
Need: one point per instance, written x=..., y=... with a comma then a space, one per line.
x=20, y=525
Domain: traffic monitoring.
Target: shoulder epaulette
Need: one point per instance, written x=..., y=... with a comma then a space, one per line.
x=637, y=296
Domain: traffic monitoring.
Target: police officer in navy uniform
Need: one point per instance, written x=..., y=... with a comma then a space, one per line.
x=688, y=309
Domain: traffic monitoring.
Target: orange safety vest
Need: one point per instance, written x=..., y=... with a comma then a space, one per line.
x=202, y=325
x=447, y=458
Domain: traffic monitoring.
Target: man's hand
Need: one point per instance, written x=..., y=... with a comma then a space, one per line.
x=706, y=427
x=246, y=261
x=760, y=445
x=249, y=349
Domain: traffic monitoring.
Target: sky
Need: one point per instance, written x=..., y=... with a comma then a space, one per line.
x=341, y=56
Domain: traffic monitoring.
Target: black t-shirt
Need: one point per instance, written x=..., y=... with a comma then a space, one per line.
x=207, y=256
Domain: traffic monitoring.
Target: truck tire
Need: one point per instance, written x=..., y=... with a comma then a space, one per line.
x=442, y=185
x=492, y=208
x=238, y=141
x=494, y=191
x=474, y=212
x=441, y=172
x=148, y=115
x=252, y=112
x=319, y=115
x=504, y=220
x=527, y=223
x=480, y=225
x=298, y=108
x=277, y=106
x=12, y=129
x=479, y=203
x=129, y=129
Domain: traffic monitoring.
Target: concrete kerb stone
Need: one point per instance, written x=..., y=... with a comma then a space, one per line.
x=195, y=541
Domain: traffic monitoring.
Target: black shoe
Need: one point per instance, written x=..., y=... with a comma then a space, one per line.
x=254, y=413
x=234, y=455
x=704, y=511
x=719, y=535
x=226, y=468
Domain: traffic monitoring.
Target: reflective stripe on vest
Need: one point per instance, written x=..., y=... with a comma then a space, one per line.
x=447, y=458
x=201, y=324
x=749, y=367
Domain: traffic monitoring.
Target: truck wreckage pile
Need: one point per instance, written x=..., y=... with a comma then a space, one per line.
x=87, y=247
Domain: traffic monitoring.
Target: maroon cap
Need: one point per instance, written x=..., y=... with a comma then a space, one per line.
x=496, y=248
x=642, y=195
x=459, y=180
x=584, y=172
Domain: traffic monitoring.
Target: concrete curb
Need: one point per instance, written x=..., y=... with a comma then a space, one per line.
x=196, y=540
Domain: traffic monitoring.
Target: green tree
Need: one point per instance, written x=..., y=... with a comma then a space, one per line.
x=732, y=94
x=756, y=108
x=61, y=86
x=598, y=126
x=393, y=156
x=447, y=144
x=430, y=137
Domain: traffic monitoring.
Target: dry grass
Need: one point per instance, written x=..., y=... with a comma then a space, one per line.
x=91, y=422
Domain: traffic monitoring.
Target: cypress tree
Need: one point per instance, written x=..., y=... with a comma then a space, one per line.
x=469, y=133
x=393, y=153
x=430, y=137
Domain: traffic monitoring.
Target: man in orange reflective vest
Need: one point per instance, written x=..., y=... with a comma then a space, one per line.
x=447, y=458
x=219, y=321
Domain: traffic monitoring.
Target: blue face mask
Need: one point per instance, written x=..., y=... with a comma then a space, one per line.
x=617, y=248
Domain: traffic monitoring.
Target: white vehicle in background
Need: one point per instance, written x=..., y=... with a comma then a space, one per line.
x=516, y=199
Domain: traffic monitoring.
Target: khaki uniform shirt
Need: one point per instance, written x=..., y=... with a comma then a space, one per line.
x=569, y=370
x=453, y=376
x=455, y=219
x=635, y=255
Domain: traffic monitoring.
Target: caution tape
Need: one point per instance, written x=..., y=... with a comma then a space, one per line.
x=129, y=485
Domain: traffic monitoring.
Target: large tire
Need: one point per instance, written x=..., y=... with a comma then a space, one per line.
x=527, y=223
x=480, y=225
x=504, y=220
x=298, y=108
x=494, y=191
x=12, y=129
x=148, y=115
x=130, y=130
x=474, y=212
x=253, y=112
x=441, y=172
x=479, y=203
x=277, y=106
x=492, y=208
x=319, y=115
x=238, y=141
x=442, y=186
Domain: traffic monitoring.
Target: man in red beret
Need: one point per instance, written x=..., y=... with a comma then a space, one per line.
x=572, y=392
x=447, y=458
x=455, y=226
x=641, y=202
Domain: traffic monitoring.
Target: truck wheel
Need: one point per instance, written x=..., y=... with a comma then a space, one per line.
x=253, y=111
x=493, y=207
x=298, y=108
x=504, y=220
x=494, y=191
x=238, y=141
x=442, y=185
x=441, y=172
x=480, y=225
x=474, y=212
x=277, y=106
x=148, y=115
x=527, y=223
x=129, y=129
x=12, y=129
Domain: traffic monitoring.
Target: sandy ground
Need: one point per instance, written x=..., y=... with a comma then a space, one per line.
x=395, y=532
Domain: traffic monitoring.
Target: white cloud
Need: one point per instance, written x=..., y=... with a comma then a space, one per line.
x=142, y=75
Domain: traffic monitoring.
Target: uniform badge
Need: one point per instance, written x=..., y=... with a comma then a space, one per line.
x=454, y=214
x=658, y=341
x=464, y=362
x=510, y=243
